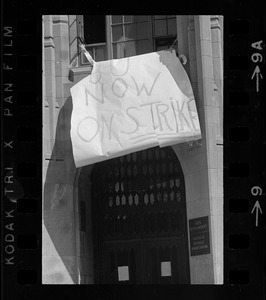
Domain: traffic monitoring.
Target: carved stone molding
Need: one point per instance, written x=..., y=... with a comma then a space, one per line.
x=215, y=24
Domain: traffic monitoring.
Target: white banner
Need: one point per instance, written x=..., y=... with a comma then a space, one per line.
x=130, y=104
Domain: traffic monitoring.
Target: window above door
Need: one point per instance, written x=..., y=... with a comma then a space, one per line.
x=118, y=36
x=92, y=30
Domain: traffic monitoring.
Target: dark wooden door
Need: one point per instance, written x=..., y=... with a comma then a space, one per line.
x=139, y=219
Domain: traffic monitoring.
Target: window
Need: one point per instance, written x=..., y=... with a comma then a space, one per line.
x=92, y=31
x=119, y=36
x=164, y=25
x=133, y=35
x=130, y=35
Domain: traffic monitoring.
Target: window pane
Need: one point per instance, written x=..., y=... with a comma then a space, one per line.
x=94, y=29
x=116, y=19
x=118, y=50
x=160, y=27
x=117, y=33
x=172, y=26
x=130, y=31
x=141, y=18
x=130, y=48
x=159, y=17
x=142, y=30
x=128, y=18
x=99, y=54
x=144, y=46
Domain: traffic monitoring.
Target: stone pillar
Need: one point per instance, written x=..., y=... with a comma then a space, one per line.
x=45, y=108
x=193, y=159
x=192, y=54
x=204, y=53
x=49, y=88
x=216, y=158
x=217, y=58
x=192, y=69
x=61, y=41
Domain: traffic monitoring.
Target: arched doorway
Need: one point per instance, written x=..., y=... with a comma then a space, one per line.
x=139, y=219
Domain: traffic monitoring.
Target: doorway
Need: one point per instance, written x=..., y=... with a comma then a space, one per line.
x=139, y=219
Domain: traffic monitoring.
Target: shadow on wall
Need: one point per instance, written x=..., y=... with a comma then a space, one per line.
x=59, y=240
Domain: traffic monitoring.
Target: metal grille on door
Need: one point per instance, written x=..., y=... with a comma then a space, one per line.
x=140, y=218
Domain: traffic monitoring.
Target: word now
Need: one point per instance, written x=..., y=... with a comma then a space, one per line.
x=119, y=88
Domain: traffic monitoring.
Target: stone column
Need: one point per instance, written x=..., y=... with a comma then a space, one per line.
x=49, y=85
x=61, y=41
x=193, y=158
x=204, y=53
x=217, y=59
x=192, y=54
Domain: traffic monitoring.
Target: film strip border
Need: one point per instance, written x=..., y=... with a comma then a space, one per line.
x=244, y=157
x=22, y=148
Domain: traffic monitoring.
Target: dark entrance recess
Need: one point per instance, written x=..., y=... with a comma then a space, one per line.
x=139, y=219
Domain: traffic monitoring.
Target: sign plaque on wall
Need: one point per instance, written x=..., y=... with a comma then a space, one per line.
x=199, y=236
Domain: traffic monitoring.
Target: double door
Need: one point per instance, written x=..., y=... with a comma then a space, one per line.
x=144, y=261
x=139, y=219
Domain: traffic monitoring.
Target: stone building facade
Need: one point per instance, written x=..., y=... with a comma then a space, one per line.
x=69, y=245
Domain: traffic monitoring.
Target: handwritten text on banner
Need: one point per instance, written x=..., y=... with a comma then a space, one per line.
x=130, y=104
